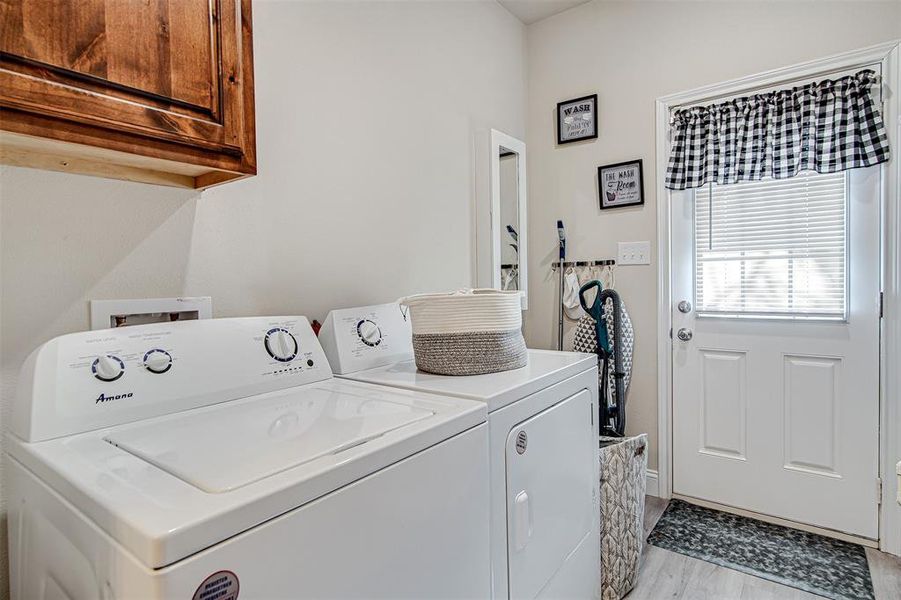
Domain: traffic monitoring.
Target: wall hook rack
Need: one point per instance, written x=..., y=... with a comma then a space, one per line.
x=583, y=263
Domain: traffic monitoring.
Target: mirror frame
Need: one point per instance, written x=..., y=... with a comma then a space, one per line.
x=498, y=140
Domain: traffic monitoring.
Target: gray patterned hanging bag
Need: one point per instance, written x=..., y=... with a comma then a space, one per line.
x=606, y=330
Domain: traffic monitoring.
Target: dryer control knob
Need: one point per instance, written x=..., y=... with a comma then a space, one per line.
x=157, y=361
x=369, y=332
x=280, y=344
x=108, y=367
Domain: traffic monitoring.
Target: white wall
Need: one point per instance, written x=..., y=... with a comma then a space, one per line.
x=365, y=119
x=630, y=53
x=366, y=114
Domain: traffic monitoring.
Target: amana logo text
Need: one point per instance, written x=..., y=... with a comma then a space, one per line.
x=105, y=398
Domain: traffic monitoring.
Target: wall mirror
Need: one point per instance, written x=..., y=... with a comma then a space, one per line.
x=504, y=246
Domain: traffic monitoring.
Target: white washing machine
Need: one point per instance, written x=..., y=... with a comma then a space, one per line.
x=220, y=459
x=545, y=540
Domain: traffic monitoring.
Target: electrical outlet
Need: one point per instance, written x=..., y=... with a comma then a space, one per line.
x=633, y=253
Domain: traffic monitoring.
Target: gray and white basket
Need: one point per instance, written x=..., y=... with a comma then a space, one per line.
x=468, y=332
x=623, y=470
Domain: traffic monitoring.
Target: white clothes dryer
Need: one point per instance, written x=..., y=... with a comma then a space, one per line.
x=542, y=420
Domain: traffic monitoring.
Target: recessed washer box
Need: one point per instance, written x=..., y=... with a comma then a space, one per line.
x=142, y=311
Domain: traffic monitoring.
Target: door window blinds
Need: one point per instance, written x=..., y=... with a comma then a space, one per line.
x=772, y=248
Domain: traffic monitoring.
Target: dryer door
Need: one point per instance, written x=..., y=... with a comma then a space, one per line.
x=551, y=477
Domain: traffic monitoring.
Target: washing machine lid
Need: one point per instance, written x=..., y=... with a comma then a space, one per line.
x=168, y=487
x=544, y=369
x=225, y=449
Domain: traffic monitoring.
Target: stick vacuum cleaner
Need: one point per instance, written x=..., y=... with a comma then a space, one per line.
x=561, y=235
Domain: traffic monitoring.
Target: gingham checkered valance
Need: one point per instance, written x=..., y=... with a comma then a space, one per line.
x=827, y=126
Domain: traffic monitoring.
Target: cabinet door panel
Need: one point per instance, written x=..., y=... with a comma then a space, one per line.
x=165, y=69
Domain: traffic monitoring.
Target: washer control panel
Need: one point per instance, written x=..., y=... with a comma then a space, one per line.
x=93, y=379
x=366, y=337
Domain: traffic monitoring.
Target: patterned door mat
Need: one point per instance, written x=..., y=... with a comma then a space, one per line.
x=807, y=561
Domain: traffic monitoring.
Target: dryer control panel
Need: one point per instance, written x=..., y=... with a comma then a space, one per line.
x=366, y=337
x=94, y=379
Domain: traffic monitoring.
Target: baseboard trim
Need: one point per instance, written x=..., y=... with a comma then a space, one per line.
x=831, y=533
x=651, y=481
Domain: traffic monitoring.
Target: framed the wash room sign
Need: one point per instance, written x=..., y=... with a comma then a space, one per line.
x=621, y=184
x=577, y=119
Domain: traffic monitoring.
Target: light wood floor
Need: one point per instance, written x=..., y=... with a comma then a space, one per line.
x=666, y=574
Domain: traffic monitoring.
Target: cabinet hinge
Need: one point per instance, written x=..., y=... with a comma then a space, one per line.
x=879, y=490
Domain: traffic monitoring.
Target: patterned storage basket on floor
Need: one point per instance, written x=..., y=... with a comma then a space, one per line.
x=623, y=468
x=469, y=332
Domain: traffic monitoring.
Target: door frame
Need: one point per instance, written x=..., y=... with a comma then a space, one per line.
x=888, y=54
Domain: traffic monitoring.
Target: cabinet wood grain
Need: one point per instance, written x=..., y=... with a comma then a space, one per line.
x=169, y=82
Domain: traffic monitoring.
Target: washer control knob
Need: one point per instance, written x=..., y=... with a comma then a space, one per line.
x=280, y=344
x=369, y=332
x=108, y=367
x=157, y=361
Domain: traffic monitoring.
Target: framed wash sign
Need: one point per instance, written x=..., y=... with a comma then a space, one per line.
x=621, y=184
x=577, y=119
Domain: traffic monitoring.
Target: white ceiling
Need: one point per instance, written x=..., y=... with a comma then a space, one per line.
x=529, y=11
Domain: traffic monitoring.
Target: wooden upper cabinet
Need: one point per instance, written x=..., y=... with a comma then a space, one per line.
x=148, y=90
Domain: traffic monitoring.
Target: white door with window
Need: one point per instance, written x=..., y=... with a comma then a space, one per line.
x=776, y=347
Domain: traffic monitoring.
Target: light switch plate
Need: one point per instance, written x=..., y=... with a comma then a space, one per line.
x=633, y=253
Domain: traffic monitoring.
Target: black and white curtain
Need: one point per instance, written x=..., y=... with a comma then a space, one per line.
x=827, y=126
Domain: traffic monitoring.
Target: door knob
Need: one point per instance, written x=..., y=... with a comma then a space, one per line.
x=684, y=306
x=684, y=334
